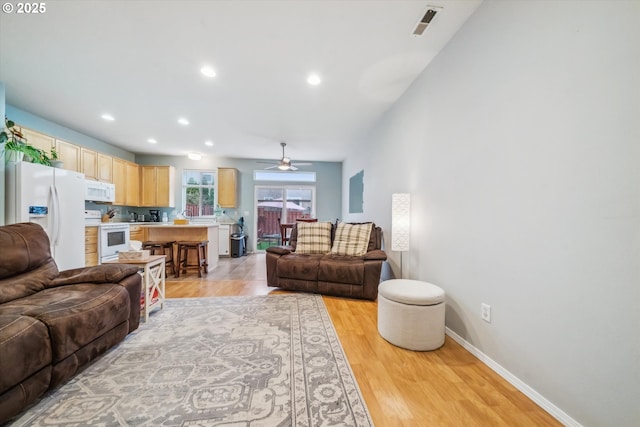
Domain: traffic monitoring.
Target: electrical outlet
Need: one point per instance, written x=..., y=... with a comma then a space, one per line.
x=485, y=312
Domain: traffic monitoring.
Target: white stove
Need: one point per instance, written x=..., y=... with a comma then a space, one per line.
x=113, y=237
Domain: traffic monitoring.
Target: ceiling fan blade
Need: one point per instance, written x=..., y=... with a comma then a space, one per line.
x=271, y=167
x=267, y=163
x=302, y=163
x=292, y=168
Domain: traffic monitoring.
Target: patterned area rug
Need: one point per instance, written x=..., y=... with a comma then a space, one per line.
x=227, y=361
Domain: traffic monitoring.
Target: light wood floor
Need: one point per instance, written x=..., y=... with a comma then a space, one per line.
x=445, y=387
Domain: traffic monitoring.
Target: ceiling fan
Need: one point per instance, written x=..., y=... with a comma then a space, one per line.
x=285, y=163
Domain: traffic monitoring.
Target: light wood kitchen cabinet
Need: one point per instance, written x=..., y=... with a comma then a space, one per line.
x=227, y=187
x=38, y=140
x=105, y=168
x=157, y=186
x=136, y=232
x=89, y=163
x=120, y=180
x=90, y=246
x=132, y=192
x=69, y=154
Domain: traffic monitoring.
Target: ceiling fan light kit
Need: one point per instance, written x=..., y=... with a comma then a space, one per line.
x=285, y=163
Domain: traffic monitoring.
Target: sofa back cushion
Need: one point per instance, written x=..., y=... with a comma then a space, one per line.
x=26, y=265
x=352, y=239
x=313, y=237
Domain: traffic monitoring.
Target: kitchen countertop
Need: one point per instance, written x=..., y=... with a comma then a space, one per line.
x=169, y=224
x=163, y=224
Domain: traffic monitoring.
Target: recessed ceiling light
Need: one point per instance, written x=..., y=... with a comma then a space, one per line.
x=183, y=121
x=314, y=79
x=194, y=156
x=152, y=141
x=108, y=117
x=208, y=71
x=208, y=143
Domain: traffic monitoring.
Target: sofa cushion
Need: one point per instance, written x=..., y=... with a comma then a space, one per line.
x=24, y=349
x=351, y=239
x=26, y=266
x=299, y=266
x=75, y=314
x=313, y=238
x=341, y=269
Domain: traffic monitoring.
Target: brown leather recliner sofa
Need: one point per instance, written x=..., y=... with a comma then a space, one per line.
x=52, y=323
x=328, y=274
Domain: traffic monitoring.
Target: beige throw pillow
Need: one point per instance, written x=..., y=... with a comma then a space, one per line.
x=313, y=237
x=351, y=239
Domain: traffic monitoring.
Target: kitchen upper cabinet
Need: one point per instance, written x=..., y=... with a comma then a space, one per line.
x=89, y=163
x=38, y=140
x=132, y=192
x=119, y=180
x=69, y=154
x=157, y=186
x=105, y=168
x=227, y=187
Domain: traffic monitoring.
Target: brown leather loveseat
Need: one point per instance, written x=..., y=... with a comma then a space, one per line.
x=327, y=272
x=52, y=323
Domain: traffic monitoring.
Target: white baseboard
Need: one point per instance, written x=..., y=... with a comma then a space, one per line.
x=553, y=410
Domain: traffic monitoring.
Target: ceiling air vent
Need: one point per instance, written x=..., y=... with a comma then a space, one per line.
x=426, y=20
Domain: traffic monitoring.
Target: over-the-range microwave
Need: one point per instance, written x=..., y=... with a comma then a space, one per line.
x=96, y=191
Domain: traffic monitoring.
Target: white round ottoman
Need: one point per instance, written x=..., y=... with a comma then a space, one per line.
x=411, y=314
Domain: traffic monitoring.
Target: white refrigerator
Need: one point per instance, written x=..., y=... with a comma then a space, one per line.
x=53, y=198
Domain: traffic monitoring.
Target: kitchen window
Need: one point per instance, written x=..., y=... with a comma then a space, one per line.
x=198, y=192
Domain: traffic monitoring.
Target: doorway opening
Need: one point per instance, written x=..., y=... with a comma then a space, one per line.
x=280, y=204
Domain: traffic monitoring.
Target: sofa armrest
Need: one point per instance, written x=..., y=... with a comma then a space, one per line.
x=105, y=273
x=280, y=250
x=375, y=255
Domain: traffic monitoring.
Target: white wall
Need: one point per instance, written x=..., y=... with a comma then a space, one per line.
x=520, y=144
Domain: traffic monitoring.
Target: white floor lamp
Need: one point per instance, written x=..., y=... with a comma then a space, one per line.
x=400, y=223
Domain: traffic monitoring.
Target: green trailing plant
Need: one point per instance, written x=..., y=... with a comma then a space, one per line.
x=14, y=142
x=37, y=155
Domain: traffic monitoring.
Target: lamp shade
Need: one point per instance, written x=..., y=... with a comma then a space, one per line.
x=400, y=221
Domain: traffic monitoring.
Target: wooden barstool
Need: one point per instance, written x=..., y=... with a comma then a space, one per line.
x=162, y=248
x=201, y=256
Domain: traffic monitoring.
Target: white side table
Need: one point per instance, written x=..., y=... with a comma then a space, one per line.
x=153, y=281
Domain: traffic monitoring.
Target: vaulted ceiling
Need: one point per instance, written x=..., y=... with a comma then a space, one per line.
x=141, y=61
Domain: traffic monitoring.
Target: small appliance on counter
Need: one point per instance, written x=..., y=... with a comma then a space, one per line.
x=154, y=215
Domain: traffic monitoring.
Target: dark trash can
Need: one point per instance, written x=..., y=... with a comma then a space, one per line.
x=238, y=248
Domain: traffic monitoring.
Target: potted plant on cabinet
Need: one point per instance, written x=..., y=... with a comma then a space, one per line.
x=55, y=162
x=13, y=145
x=16, y=148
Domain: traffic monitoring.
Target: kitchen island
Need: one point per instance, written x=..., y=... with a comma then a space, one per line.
x=189, y=232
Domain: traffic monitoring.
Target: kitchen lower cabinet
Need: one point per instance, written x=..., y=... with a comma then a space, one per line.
x=90, y=246
x=136, y=232
x=223, y=240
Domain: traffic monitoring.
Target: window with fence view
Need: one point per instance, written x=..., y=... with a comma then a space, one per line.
x=198, y=192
